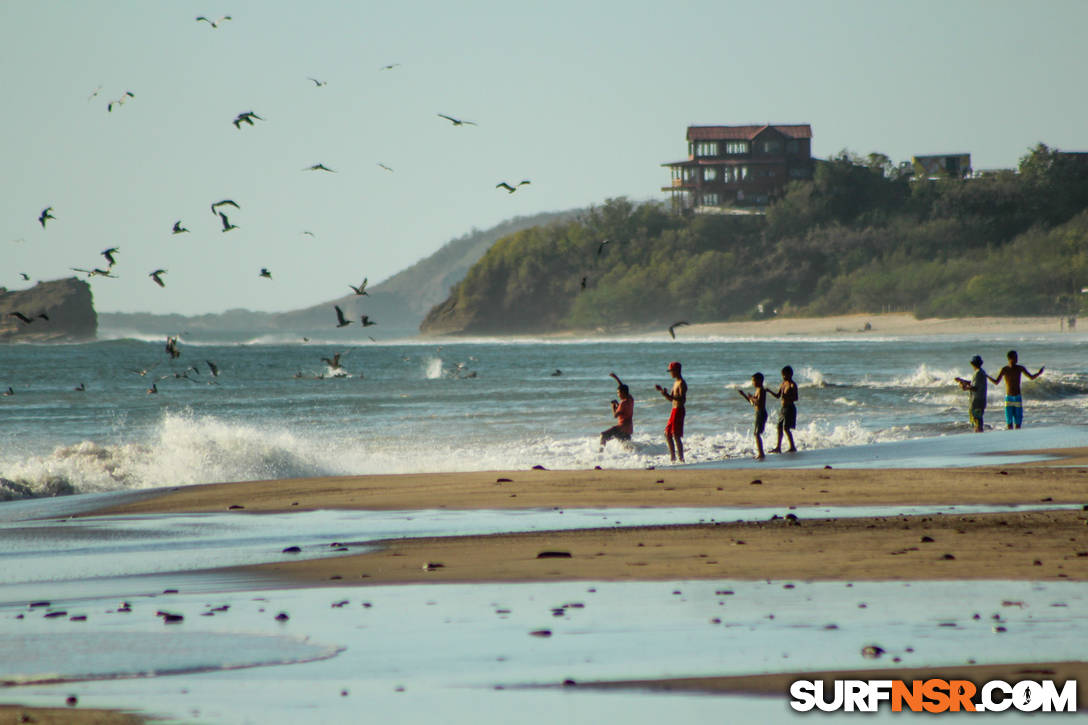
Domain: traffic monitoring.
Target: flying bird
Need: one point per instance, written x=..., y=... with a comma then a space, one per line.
x=46, y=214
x=319, y=83
x=214, y=368
x=306, y=231
x=26, y=278
x=673, y=326
x=367, y=322
x=318, y=167
x=361, y=289
x=334, y=361
x=227, y=226
x=511, y=189
x=157, y=276
x=391, y=66
x=96, y=272
x=457, y=121
x=224, y=202
x=20, y=316
x=265, y=273
x=600, y=247
x=178, y=229
x=341, y=321
x=245, y=117
x=108, y=254
x=120, y=101
x=384, y=166
x=213, y=23
x=94, y=93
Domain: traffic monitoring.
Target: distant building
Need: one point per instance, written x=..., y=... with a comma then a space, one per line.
x=730, y=166
x=942, y=166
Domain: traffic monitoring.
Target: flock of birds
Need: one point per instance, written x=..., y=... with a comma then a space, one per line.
x=221, y=208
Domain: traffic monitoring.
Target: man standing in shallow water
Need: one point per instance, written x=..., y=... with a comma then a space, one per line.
x=976, y=405
x=1014, y=403
x=674, y=429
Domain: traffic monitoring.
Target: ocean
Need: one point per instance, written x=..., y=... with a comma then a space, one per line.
x=277, y=409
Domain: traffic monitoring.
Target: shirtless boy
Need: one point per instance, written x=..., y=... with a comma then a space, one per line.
x=758, y=400
x=787, y=417
x=1014, y=404
x=674, y=429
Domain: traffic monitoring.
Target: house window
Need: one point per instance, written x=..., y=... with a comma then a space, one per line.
x=689, y=174
x=711, y=200
x=793, y=146
x=710, y=174
x=706, y=148
x=736, y=147
x=772, y=147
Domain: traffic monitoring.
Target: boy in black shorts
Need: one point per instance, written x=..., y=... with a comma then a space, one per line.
x=787, y=416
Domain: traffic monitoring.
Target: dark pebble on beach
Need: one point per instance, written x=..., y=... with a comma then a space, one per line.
x=554, y=555
x=432, y=566
x=541, y=633
x=78, y=618
x=282, y=617
x=504, y=480
x=34, y=605
x=998, y=629
x=927, y=539
x=71, y=701
x=1036, y=563
x=1048, y=499
x=539, y=468
x=292, y=550
x=169, y=591
x=755, y=482
x=169, y=618
x=827, y=468
x=53, y=615
x=569, y=683
x=947, y=557
x=234, y=506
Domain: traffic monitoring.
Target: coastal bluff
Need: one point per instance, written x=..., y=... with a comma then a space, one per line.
x=59, y=310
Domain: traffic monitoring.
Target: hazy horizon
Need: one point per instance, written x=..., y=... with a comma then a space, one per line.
x=585, y=100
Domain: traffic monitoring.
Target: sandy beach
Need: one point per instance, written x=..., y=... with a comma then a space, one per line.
x=1048, y=543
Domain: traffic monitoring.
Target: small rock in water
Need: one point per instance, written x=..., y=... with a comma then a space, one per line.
x=539, y=468
x=541, y=633
x=282, y=617
x=872, y=651
x=71, y=701
x=292, y=550
x=432, y=565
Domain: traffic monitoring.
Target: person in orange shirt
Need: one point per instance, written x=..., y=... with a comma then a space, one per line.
x=623, y=410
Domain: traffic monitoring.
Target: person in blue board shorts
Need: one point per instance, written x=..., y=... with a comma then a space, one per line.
x=1014, y=403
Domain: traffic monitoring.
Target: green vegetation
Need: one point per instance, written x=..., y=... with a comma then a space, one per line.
x=857, y=238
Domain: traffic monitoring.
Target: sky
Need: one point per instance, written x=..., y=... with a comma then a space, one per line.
x=584, y=99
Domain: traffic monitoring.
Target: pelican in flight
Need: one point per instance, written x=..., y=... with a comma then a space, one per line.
x=319, y=83
x=25, y=276
x=265, y=273
x=227, y=226
x=108, y=254
x=600, y=247
x=47, y=213
x=673, y=326
x=96, y=272
x=391, y=66
x=224, y=202
x=511, y=189
x=319, y=167
x=367, y=322
x=120, y=101
x=387, y=168
x=245, y=117
x=457, y=121
x=178, y=229
x=157, y=276
x=334, y=361
x=20, y=316
x=341, y=321
x=360, y=290
x=213, y=23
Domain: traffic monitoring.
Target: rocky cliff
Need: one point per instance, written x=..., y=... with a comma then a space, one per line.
x=56, y=311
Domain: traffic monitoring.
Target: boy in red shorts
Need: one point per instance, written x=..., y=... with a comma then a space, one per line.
x=674, y=429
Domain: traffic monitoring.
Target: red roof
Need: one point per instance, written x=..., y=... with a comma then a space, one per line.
x=746, y=133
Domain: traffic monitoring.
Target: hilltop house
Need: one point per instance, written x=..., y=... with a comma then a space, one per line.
x=942, y=166
x=731, y=166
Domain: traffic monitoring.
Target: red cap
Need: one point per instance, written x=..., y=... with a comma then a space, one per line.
x=673, y=366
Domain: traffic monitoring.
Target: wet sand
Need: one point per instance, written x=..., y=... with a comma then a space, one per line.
x=1014, y=545
x=12, y=714
x=1008, y=484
